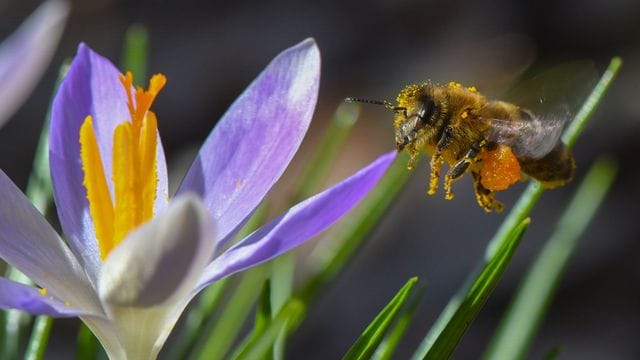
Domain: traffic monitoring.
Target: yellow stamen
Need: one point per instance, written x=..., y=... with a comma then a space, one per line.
x=43, y=291
x=148, y=164
x=126, y=182
x=95, y=182
x=134, y=168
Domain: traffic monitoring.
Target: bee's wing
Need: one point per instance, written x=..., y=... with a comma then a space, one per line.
x=532, y=138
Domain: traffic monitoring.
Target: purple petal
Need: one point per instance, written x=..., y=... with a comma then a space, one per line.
x=91, y=87
x=255, y=140
x=29, y=243
x=298, y=224
x=25, y=55
x=18, y=296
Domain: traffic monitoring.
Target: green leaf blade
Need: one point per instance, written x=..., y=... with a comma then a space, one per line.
x=135, y=51
x=446, y=341
x=524, y=316
x=372, y=336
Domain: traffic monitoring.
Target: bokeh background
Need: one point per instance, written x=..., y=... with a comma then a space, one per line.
x=210, y=50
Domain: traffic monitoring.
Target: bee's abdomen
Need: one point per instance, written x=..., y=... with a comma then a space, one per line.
x=554, y=169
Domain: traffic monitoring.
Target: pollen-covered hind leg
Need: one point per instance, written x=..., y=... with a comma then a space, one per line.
x=459, y=168
x=485, y=197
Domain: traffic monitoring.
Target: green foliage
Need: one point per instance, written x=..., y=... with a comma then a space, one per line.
x=39, y=338
x=390, y=343
x=372, y=336
x=525, y=314
x=135, y=53
x=87, y=344
x=445, y=342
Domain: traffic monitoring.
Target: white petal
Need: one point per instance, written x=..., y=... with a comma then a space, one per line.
x=146, y=281
x=159, y=262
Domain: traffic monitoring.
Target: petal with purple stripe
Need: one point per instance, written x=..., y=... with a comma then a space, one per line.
x=31, y=245
x=19, y=296
x=91, y=87
x=298, y=224
x=255, y=140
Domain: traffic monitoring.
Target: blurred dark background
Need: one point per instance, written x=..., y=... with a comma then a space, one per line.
x=211, y=50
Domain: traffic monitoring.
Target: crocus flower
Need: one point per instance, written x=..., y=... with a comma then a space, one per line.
x=26, y=53
x=135, y=257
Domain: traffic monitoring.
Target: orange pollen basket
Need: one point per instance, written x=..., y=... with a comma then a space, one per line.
x=134, y=168
x=500, y=169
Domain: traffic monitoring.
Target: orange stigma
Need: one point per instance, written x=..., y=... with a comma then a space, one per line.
x=134, y=167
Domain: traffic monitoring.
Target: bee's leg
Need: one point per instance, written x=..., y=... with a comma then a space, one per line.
x=459, y=168
x=435, y=164
x=485, y=196
x=414, y=154
x=436, y=159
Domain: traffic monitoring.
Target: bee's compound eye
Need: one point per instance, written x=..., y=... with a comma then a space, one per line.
x=426, y=111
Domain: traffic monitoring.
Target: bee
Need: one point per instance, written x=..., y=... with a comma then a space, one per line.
x=498, y=142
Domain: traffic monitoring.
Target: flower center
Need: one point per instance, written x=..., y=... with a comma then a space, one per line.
x=134, y=168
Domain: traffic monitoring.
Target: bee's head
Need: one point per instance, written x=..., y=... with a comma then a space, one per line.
x=411, y=121
x=416, y=110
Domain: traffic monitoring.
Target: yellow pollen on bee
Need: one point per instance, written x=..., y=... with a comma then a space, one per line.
x=472, y=89
x=454, y=84
x=465, y=114
x=134, y=168
x=43, y=291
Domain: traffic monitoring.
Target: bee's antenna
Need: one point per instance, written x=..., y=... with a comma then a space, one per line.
x=384, y=103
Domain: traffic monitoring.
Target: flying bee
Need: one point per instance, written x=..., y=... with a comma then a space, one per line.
x=498, y=142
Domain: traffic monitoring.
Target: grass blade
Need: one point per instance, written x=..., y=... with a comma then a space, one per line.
x=259, y=347
x=522, y=208
x=524, y=316
x=39, y=338
x=208, y=301
x=368, y=342
x=388, y=346
x=135, y=51
x=261, y=324
x=219, y=340
x=87, y=344
x=447, y=340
